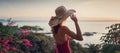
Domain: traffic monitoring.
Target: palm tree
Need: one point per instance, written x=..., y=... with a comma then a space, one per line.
x=93, y=48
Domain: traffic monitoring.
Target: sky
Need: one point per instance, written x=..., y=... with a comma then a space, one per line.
x=39, y=9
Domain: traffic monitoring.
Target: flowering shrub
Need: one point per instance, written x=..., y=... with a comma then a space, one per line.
x=12, y=38
x=27, y=42
x=24, y=32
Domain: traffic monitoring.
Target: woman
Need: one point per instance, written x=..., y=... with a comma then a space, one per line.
x=62, y=33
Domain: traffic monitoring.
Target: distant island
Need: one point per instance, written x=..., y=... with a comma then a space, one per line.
x=2, y=20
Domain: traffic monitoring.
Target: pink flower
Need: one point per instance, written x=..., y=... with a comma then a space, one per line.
x=14, y=48
x=6, y=48
x=24, y=32
x=1, y=52
x=5, y=41
x=27, y=42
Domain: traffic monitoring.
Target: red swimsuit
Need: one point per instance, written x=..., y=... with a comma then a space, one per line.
x=63, y=48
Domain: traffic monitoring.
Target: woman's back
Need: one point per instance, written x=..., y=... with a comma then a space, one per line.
x=61, y=37
x=62, y=41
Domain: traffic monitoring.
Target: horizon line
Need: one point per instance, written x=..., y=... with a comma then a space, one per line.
x=19, y=20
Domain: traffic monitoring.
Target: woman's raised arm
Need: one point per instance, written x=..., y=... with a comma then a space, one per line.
x=78, y=35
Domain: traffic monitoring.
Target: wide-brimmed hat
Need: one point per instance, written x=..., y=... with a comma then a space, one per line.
x=59, y=19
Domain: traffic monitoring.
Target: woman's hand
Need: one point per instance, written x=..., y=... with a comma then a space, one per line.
x=73, y=17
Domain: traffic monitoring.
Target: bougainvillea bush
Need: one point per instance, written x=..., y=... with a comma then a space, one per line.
x=14, y=39
x=26, y=39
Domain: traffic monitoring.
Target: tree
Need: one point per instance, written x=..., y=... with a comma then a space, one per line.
x=111, y=39
x=93, y=48
x=113, y=35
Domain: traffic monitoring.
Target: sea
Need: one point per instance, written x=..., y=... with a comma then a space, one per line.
x=85, y=26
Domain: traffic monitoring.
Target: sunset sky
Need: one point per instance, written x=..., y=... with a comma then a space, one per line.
x=39, y=9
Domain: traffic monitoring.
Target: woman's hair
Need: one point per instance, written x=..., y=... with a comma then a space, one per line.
x=59, y=11
x=55, y=29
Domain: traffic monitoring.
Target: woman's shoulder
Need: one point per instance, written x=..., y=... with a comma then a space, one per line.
x=64, y=28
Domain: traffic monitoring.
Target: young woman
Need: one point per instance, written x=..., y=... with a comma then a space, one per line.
x=61, y=33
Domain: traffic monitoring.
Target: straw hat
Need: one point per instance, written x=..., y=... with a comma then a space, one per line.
x=59, y=19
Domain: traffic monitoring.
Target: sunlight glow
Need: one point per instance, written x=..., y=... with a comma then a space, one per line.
x=86, y=10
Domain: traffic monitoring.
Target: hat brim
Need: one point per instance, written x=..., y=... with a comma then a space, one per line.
x=56, y=21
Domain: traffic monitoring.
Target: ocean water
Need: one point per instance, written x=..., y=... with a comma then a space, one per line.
x=85, y=26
